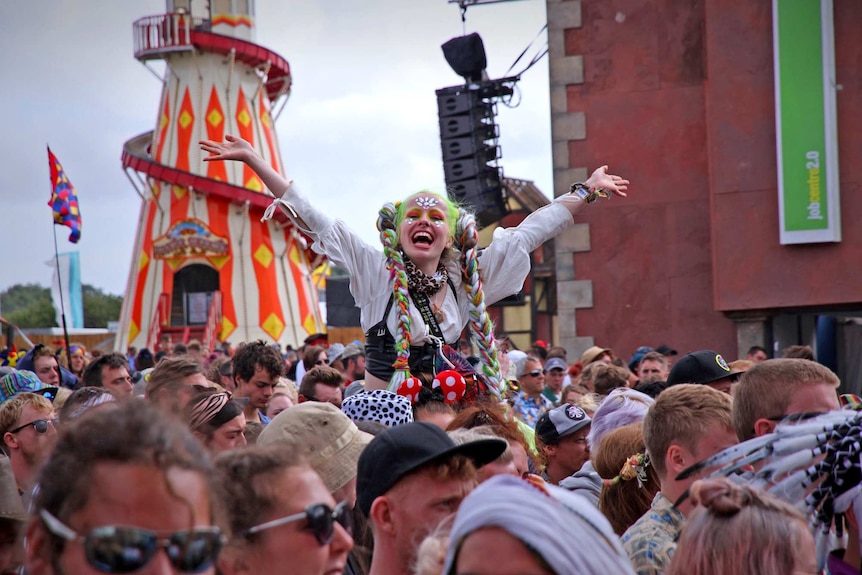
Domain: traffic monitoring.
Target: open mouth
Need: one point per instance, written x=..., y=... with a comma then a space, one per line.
x=422, y=238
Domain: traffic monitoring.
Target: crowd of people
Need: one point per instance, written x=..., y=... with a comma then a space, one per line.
x=431, y=447
x=225, y=464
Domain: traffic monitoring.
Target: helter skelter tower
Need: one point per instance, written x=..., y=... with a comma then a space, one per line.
x=204, y=265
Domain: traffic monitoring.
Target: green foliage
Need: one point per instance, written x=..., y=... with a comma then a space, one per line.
x=99, y=307
x=30, y=305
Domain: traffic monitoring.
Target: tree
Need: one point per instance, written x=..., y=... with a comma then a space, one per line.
x=99, y=307
x=30, y=305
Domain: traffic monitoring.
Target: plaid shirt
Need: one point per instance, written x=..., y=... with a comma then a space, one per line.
x=651, y=541
x=529, y=410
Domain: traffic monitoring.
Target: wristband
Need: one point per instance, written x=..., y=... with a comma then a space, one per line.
x=586, y=195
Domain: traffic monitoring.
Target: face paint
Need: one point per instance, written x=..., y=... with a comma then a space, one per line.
x=426, y=202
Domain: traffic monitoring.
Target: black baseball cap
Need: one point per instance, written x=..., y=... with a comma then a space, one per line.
x=705, y=366
x=400, y=450
x=560, y=422
x=666, y=350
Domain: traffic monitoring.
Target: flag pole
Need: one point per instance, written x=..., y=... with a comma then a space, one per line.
x=62, y=304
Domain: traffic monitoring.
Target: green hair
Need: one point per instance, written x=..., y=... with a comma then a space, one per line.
x=465, y=235
x=453, y=211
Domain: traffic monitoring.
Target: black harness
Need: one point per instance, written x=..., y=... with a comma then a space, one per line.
x=380, y=351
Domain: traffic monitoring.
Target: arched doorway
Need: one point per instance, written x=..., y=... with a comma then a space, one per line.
x=193, y=290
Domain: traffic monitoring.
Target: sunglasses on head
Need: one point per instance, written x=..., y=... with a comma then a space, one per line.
x=113, y=549
x=40, y=425
x=321, y=521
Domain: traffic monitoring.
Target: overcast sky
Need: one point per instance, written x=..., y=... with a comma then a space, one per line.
x=360, y=127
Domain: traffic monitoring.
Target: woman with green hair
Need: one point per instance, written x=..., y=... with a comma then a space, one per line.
x=409, y=295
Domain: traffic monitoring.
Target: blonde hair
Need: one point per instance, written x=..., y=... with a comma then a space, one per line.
x=738, y=529
x=624, y=501
x=10, y=412
x=682, y=415
x=767, y=389
x=589, y=402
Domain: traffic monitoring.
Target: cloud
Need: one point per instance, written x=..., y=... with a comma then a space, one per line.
x=359, y=129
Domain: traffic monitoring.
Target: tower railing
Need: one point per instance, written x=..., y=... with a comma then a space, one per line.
x=213, y=322
x=160, y=319
x=155, y=35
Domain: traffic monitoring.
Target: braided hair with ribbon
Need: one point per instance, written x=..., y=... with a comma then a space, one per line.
x=463, y=227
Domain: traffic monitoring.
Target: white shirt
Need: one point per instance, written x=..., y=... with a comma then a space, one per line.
x=504, y=264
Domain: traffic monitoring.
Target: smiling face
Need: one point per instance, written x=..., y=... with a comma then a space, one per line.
x=424, y=232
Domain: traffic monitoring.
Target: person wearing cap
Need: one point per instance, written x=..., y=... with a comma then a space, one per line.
x=327, y=438
x=686, y=424
x=637, y=356
x=217, y=421
x=597, y=354
x=29, y=435
x=704, y=367
x=529, y=403
x=334, y=355
x=257, y=369
x=555, y=375
x=561, y=440
x=410, y=478
x=322, y=383
x=353, y=359
x=668, y=352
x=110, y=371
x=21, y=381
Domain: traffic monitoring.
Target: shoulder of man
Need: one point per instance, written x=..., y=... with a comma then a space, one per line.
x=648, y=545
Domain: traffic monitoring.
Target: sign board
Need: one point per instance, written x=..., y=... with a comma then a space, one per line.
x=805, y=119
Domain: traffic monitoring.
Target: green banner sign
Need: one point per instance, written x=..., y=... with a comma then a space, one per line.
x=806, y=121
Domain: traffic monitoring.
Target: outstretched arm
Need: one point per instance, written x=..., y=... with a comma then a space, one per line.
x=599, y=181
x=234, y=148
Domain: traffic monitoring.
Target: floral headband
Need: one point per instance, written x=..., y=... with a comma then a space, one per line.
x=635, y=467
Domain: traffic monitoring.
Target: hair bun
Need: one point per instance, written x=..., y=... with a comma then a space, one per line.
x=720, y=496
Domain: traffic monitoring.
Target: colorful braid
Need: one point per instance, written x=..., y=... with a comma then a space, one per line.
x=395, y=265
x=467, y=238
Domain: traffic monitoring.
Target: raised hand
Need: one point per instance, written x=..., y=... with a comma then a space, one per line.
x=601, y=179
x=232, y=148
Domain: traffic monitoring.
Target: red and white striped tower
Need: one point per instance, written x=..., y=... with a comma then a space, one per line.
x=204, y=265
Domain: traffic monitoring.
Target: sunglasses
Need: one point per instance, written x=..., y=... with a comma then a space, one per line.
x=321, y=521
x=320, y=362
x=534, y=373
x=113, y=549
x=40, y=425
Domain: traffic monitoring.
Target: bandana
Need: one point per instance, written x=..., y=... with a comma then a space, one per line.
x=419, y=282
x=545, y=521
x=93, y=401
x=213, y=411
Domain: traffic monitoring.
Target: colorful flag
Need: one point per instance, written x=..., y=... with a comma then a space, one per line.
x=66, y=288
x=64, y=200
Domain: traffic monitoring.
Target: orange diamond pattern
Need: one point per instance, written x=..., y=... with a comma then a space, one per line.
x=263, y=255
x=273, y=326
